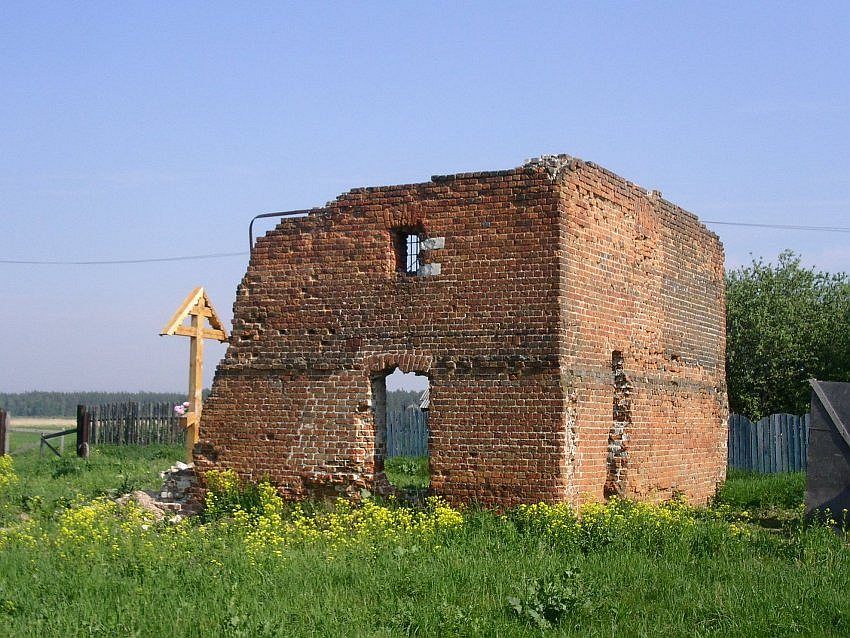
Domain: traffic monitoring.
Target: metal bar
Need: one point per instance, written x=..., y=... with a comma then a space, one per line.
x=287, y=214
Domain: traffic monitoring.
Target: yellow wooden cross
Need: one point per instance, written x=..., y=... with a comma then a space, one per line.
x=198, y=307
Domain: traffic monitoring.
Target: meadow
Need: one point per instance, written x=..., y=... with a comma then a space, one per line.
x=73, y=563
x=25, y=432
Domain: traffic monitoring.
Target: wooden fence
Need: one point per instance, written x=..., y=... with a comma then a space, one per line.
x=133, y=423
x=407, y=433
x=4, y=432
x=777, y=443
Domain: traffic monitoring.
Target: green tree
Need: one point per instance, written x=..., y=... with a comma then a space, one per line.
x=785, y=324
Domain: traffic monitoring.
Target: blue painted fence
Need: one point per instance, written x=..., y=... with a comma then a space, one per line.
x=407, y=432
x=777, y=443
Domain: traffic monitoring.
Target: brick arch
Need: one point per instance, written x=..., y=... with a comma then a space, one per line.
x=406, y=215
x=405, y=361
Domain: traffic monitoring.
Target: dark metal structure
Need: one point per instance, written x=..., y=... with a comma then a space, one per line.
x=285, y=213
x=828, y=476
x=4, y=432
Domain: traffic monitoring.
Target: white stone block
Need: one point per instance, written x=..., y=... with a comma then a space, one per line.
x=429, y=270
x=433, y=243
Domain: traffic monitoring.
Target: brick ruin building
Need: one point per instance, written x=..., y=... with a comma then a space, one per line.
x=571, y=325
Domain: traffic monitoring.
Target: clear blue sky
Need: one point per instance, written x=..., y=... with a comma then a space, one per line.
x=132, y=130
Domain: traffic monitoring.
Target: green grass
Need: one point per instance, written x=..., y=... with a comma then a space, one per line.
x=49, y=483
x=750, y=490
x=408, y=472
x=705, y=582
x=771, y=500
x=19, y=440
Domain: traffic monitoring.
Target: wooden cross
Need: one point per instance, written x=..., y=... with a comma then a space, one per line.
x=198, y=308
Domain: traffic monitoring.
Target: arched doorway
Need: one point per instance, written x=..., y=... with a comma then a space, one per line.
x=401, y=403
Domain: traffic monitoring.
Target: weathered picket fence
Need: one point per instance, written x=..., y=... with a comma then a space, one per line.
x=4, y=432
x=777, y=443
x=407, y=432
x=133, y=423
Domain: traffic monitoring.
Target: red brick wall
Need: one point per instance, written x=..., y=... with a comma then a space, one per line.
x=321, y=310
x=546, y=269
x=644, y=278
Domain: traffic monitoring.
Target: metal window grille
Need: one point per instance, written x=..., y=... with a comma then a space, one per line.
x=411, y=244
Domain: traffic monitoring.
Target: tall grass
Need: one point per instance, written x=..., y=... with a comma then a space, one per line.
x=408, y=472
x=751, y=490
x=49, y=483
x=623, y=570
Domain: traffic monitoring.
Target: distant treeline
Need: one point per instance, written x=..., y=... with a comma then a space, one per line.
x=65, y=403
x=400, y=399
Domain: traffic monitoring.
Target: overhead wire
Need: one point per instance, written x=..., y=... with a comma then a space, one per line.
x=103, y=262
x=831, y=229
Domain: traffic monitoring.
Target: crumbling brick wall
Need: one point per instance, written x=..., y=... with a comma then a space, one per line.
x=544, y=269
x=643, y=279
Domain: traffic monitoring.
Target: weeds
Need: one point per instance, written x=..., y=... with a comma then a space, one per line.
x=408, y=472
x=8, y=477
x=255, y=566
x=67, y=466
x=546, y=601
x=750, y=490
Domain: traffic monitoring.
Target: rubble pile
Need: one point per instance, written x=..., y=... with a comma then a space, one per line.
x=174, y=500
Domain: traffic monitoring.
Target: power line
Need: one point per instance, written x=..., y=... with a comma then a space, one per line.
x=99, y=262
x=831, y=229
